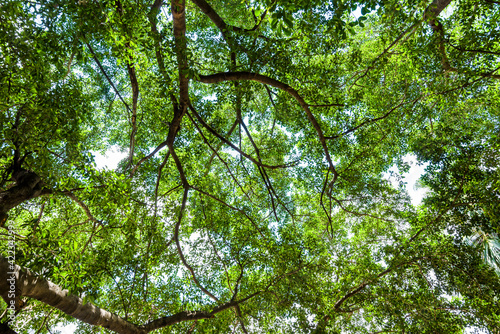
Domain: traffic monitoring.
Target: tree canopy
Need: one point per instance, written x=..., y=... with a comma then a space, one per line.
x=255, y=196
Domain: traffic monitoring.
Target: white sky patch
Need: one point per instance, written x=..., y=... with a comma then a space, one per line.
x=109, y=160
x=416, y=191
x=65, y=329
x=231, y=151
x=411, y=178
x=357, y=13
x=447, y=11
x=211, y=97
x=475, y=330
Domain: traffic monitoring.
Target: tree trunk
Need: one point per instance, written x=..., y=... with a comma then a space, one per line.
x=28, y=186
x=29, y=285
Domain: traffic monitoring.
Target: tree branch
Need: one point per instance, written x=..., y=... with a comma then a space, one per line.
x=152, y=16
x=473, y=50
x=178, y=8
x=159, y=147
x=410, y=30
x=32, y=286
x=360, y=287
x=179, y=16
x=193, y=315
x=29, y=285
x=179, y=249
x=106, y=75
x=214, y=150
x=133, y=83
x=358, y=214
x=220, y=23
x=430, y=15
x=135, y=97
x=82, y=205
x=234, y=147
x=235, y=76
x=371, y=120
x=432, y=12
x=28, y=186
x=212, y=15
x=229, y=206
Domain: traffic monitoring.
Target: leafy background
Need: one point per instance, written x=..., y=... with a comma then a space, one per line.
x=318, y=247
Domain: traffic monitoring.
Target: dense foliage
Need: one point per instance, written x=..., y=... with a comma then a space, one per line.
x=255, y=194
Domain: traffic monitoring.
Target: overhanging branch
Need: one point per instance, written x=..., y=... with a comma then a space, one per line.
x=29, y=285
x=248, y=76
x=234, y=147
x=220, y=23
x=106, y=75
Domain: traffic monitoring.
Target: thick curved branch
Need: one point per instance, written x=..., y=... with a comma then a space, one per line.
x=212, y=15
x=29, y=186
x=236, y=76
x=430, y=15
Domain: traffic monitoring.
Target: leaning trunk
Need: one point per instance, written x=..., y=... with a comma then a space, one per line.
x=28, y=285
